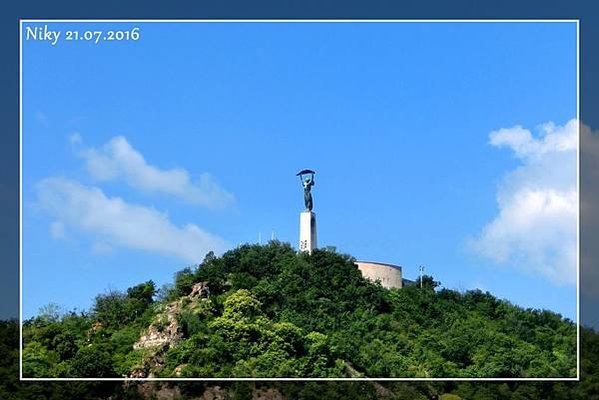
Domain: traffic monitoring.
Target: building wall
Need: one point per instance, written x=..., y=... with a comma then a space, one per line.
x=389, y=275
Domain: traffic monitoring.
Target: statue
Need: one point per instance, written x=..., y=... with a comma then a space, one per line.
x=307, y=183
x=307, y=240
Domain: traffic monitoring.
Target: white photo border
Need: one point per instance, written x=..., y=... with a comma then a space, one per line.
x=214, y=379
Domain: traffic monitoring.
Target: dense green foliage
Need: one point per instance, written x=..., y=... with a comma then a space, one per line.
x=94, y=344
x=274, y=313
x=586, y=389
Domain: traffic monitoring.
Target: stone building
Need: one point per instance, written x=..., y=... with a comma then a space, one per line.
x=389, y=275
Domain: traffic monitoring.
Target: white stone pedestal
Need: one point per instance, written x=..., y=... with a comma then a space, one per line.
x=307, y=240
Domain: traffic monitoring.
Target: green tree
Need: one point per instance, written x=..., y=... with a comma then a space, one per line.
x=92, y=361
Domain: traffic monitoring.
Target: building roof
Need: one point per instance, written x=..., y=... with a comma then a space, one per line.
x=380, y=263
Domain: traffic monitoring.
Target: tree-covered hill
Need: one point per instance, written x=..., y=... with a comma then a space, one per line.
x=12, y=389
x=265, y=311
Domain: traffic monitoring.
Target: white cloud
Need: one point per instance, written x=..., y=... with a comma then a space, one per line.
x=117, y=159
x=553, y=139
x=116, y=223
x=535, y=229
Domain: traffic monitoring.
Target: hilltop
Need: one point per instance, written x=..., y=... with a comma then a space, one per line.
x=266, y=311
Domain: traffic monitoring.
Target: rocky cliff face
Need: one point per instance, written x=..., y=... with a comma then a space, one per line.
x=165, y=332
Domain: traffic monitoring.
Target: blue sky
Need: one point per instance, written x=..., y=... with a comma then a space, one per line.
x=432, y=145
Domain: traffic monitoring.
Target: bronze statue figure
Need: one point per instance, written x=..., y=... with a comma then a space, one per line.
x=307, y=183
